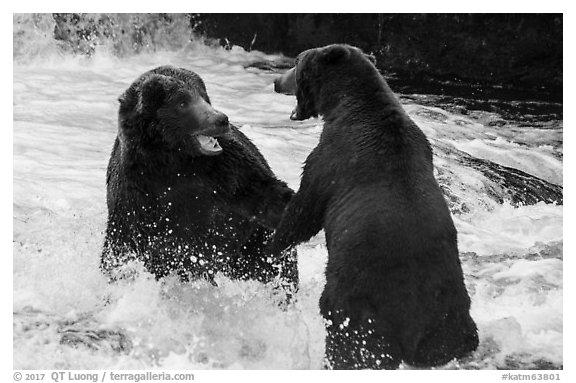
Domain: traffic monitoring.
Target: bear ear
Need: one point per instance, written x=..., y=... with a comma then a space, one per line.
x=334, y=53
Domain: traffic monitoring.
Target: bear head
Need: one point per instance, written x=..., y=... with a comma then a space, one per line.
x=168, y=109
x=318, y=72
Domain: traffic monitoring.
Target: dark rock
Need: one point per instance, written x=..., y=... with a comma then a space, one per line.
x=521, y=188
x=489, y=182
x=522, y=51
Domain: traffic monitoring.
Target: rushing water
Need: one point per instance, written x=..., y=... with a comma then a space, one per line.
x=67, y=316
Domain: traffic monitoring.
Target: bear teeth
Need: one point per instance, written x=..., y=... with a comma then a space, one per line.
x=209, y=144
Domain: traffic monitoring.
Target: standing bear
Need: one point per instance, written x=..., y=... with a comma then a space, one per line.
x=187, y=192
x=394, y=285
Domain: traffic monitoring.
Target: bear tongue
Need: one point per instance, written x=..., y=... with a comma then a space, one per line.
x=208, y=145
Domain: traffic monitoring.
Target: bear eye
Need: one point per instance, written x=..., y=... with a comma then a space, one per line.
x=182, y=104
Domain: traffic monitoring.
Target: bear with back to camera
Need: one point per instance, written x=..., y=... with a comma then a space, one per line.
x=187, y=192
x=394, y=284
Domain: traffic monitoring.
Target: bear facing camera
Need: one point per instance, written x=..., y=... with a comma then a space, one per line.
x=187, y=192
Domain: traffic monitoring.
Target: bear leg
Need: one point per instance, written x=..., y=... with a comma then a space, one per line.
x=354, y=346
x=455, y=337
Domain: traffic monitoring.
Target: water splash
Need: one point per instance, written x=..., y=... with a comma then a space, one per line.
x=119, y=34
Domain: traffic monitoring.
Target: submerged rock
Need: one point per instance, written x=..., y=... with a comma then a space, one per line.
x=520, y=188
x=279, y=64
x=464, y=178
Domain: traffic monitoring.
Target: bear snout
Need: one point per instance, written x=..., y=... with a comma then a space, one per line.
x=221, y=119
x=218, y=124
x=210, y=121
x=286, y=84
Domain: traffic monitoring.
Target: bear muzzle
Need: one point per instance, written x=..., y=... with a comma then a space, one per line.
x=215, y=124
x=286, y=84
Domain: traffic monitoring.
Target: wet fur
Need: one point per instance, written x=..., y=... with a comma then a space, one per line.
x=394, y=284
x=179, y=211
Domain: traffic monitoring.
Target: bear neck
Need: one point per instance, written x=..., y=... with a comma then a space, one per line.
x=352, y=97
x=157, y=161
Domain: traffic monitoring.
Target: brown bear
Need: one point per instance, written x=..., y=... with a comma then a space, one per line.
x=394, y=284
x=187, y=192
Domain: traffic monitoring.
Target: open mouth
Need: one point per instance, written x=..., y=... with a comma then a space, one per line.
x=294, y=115
x=208, y=145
